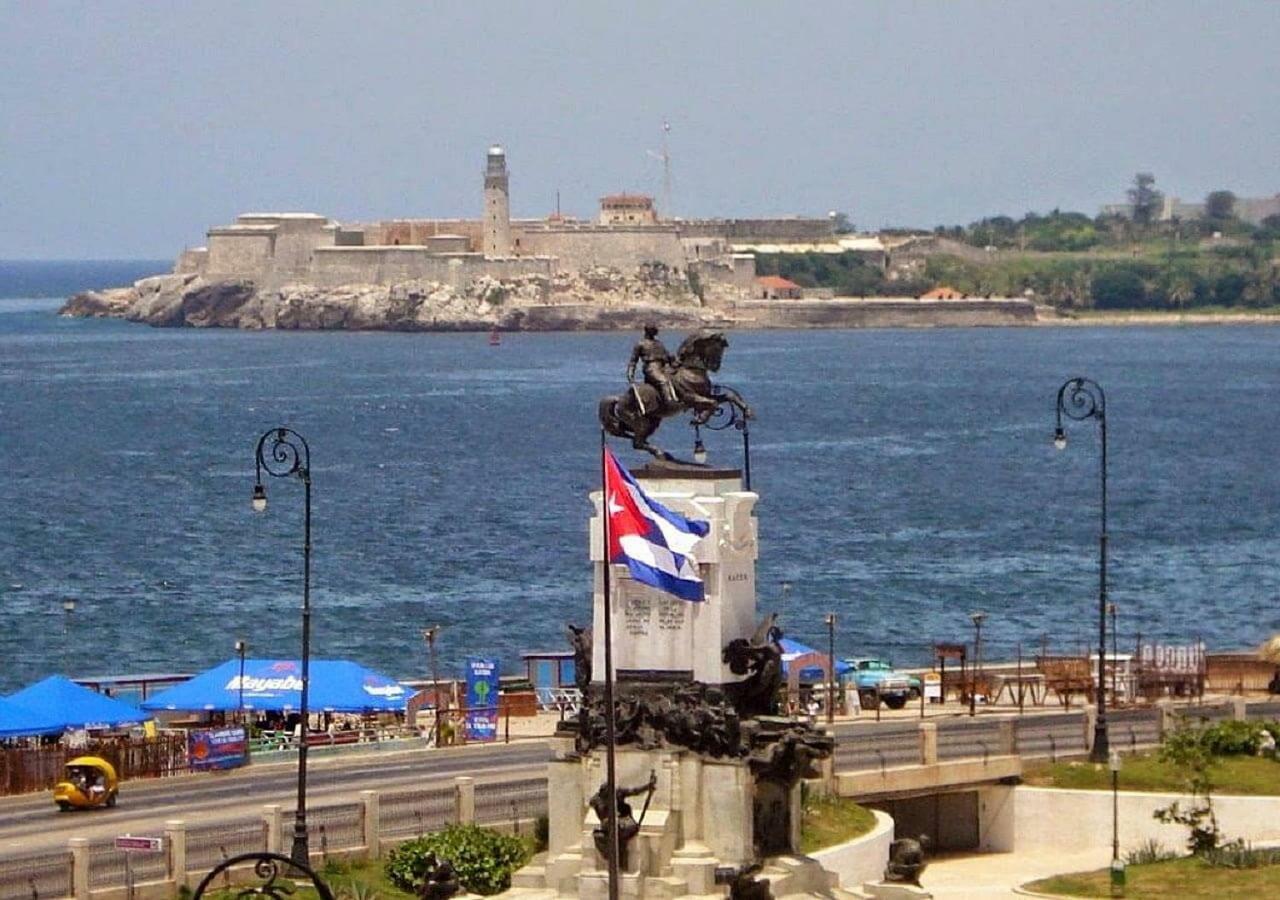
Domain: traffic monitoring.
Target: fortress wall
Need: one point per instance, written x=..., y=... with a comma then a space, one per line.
x=296, y=243
x=775, y=231
x=414, y=232
x=240, y=253
x=192, y=262
x=335, y=266
x=883, y=313
x=620, y=248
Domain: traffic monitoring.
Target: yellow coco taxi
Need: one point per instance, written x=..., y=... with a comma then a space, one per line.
x=88, y=782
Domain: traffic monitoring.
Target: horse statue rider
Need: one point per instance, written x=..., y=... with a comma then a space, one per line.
x=671, y=385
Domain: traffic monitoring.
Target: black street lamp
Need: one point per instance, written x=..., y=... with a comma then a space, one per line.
x=241, y=647
x=429, y=635
x=1080, y=399
x=283, y=453
x=831, y=667
x=68, y=607
x=978, y=618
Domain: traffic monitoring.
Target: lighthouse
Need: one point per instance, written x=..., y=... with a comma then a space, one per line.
x=497, y=205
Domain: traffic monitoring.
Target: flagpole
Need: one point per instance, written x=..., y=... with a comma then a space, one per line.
x=611, y=783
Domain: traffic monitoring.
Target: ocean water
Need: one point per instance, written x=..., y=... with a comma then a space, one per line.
x=907, y=478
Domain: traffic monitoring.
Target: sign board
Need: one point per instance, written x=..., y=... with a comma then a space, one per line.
x=482, y=699
x=932, y=685
x=217, y=748
x=1172, y=659
x=129, y=844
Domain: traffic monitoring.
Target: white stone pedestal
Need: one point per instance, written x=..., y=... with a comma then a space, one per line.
x=658, y=637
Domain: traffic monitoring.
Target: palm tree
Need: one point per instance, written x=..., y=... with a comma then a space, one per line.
x=1180, y=291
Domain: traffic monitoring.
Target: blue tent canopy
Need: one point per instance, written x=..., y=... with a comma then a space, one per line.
x=792, y=650
x=337, y=685
x=73, y=706
x=18, y=721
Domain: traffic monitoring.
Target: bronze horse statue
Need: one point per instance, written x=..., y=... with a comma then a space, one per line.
x=637, y=414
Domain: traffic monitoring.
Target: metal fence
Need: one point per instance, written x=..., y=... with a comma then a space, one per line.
x=1132, y=729
x=107, y=865
x=36, y=875
x=1051, y=735
x=969, y=738
x=512, y=801
x=878, y=747
x=337, y=827
x=406, y=813
x=208, y=845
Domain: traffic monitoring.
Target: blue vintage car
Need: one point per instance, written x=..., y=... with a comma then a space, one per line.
x=876, y=680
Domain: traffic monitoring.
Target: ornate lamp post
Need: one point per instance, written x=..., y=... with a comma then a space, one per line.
x=978, y=618
x=831, y=667
x=727, y=414
x=241, y=647
x=1080, y=399
x=283, y=453
x=429, y=635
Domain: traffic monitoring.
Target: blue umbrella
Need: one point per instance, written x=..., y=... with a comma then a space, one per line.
x=792, y=650
x=337, y=685
x=18, y=721
x=73, y=706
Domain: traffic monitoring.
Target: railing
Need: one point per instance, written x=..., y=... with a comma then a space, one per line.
x=414, y=813
x=208, y=845
x=970, y=738
x=512, y=801
x=878, y=747
x=36, y=875
x=1052, y=735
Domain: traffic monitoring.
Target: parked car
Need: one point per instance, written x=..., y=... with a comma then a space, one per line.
x=876, y=679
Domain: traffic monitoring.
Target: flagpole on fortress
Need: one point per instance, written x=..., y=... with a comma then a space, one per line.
x=611, y=782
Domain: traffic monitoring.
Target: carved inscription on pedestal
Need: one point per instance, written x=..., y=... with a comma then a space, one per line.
x=655, y=632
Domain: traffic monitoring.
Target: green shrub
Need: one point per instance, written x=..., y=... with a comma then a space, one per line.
x=1150, y=851
x=483, y=858
x=1232, y=738
x=1239, y=855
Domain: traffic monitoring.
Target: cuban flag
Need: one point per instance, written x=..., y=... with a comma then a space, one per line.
x=653, y=541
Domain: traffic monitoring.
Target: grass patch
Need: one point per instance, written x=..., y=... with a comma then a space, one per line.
x=363, y=880
x=830, y=820
x=1186, y=877
x=1250, y=775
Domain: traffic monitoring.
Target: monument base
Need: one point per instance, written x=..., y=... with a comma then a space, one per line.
x=699, y=819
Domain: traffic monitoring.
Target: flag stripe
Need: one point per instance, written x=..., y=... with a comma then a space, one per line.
x=654, y=542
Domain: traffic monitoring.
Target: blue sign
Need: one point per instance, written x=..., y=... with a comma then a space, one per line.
x=217, y=748
x=482, y=699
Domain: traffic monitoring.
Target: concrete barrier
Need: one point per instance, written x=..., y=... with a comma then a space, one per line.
x=861, y=859
x=1067, y=821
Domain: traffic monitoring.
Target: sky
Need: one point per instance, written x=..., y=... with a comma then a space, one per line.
x=127, y=129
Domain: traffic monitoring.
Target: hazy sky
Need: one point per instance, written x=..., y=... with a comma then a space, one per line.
x=128, y=128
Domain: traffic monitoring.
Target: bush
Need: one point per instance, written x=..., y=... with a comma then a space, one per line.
x=1239, y=855
x=483, y=858
x=1232, y=738
x=1150, y=851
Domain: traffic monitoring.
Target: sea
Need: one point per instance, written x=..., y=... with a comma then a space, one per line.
x=907, y=479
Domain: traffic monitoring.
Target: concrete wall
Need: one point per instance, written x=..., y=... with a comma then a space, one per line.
x=240, y=251
x=191, y=261
x=783, y=231
x=386, y=265
x=862, y=859
x=885, y=313
x=1027, y=818
x=585, y=246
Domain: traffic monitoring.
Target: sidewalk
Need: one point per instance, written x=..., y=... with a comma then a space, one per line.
x=989, y=875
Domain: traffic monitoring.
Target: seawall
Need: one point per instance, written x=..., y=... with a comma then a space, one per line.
x=881, y=312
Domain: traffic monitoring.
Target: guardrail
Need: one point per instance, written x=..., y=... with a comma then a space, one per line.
x=86, y=870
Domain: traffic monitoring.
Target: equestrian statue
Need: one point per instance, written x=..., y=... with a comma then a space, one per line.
x=672, y=385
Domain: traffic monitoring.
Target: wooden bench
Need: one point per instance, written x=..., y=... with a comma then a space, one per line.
x=1067, y=676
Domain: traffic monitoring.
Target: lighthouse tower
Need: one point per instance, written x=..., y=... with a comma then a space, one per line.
x=497, y=205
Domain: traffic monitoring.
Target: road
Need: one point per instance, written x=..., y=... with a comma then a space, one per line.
x=31, y=822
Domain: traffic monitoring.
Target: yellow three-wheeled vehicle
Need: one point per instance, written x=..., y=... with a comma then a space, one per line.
x=87, y=782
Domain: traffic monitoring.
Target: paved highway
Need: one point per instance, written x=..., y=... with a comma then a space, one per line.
x=31, y=822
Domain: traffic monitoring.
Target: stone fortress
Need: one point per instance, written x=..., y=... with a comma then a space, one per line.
x=627, y=266
x=273, y=249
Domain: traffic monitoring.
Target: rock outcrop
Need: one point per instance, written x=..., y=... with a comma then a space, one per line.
x=599, y=298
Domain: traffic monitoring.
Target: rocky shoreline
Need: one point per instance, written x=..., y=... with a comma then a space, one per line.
x=595, y=299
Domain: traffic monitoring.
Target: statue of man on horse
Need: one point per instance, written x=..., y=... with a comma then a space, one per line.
x=672, y=385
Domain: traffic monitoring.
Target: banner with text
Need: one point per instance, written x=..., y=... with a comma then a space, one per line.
x=482, y=699
x=217, y=748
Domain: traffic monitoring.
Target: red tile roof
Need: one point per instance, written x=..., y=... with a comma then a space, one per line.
x=777, y=282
